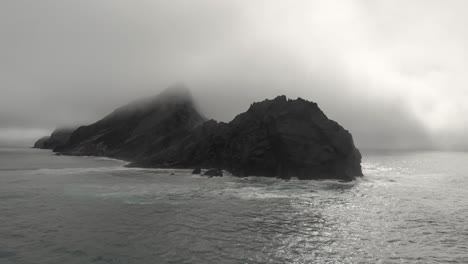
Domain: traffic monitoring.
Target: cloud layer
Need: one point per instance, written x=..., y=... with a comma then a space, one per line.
x=392, y=72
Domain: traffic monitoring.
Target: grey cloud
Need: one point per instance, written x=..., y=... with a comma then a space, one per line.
x=67, y=62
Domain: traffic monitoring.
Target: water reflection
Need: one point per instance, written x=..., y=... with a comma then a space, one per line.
x=404, y=211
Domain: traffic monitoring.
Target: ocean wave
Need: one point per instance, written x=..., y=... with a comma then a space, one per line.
x=272, y=188
x=124, y=162
x=84, y=170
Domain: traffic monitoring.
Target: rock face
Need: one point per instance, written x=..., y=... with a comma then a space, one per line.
x=132, y=130
x=274, y=138
x=57, y=139
x=213, y=173
x=42, y=143
x=277, y=138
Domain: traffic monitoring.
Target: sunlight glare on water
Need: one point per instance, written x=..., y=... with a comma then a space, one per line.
x=409, y=208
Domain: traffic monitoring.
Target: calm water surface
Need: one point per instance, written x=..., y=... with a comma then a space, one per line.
x=412, y=207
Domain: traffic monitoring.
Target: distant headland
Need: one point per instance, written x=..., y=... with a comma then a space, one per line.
x=274, y=138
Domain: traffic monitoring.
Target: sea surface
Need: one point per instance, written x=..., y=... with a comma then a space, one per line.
x=411, y=207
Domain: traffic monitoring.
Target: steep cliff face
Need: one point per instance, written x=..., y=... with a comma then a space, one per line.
x=287, y=138
x=131, y=130
x=276, y=138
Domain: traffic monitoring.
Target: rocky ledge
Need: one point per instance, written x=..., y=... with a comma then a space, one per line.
x=274, y=138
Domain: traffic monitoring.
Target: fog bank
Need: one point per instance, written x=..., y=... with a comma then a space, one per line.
x=392, y=72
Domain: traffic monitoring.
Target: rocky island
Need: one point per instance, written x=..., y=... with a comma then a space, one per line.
x=274, y=138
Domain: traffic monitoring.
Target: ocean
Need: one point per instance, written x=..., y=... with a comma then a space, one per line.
x=411, y=207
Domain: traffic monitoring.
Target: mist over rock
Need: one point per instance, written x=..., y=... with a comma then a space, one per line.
x=131, y=130
x=274, y=138
x=57, y=139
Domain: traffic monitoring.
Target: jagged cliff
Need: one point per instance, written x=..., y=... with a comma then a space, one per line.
x=276, y=138
x=279, y=137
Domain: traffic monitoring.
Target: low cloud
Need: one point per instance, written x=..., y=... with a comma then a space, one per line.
x=392, y=72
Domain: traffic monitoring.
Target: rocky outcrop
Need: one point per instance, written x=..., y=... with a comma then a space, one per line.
x=60, y=137
x=274, y=138
x=132, y=130
x=42, y=143
x=213, y=173
x=57, y=139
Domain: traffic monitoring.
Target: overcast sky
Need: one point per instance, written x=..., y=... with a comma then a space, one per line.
x=394, y=73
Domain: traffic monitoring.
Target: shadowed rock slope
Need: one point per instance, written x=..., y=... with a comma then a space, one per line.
x=58, y=138
x=42, y=143
x=277, y=138
x=131, y=130
x=134, y=129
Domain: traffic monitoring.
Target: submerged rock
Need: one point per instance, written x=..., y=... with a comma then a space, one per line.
x=196, y=171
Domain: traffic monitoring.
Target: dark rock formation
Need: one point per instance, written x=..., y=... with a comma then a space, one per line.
x=60, y=137
x=57, y=139
x=196, y=171
x=275, y=138
x=42, y=143
x=213, y=173
x=132, y=130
